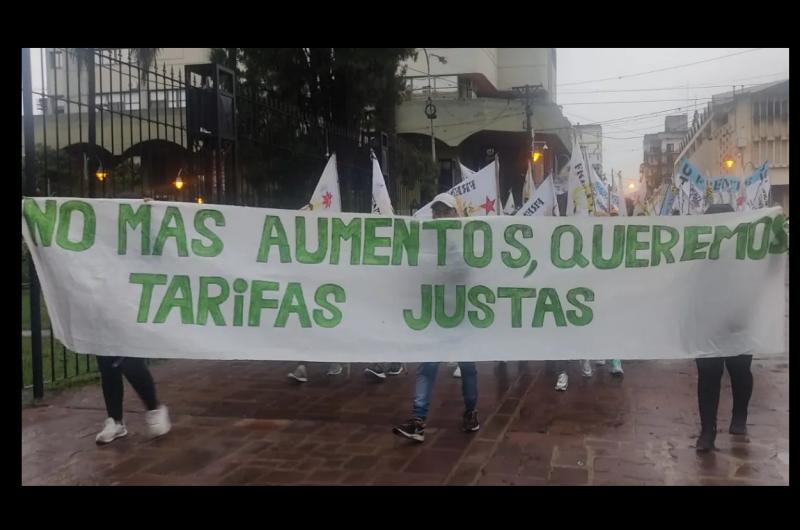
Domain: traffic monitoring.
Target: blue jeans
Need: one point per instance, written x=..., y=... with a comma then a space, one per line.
x=426, y=377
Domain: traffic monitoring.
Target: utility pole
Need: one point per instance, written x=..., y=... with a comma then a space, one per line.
x=527, y=91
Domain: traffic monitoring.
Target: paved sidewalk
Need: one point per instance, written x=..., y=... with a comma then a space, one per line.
x=244, y=423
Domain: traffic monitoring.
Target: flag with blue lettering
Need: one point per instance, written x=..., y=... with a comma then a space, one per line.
x=757, y=188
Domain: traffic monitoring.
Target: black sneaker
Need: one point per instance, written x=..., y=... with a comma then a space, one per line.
x=376, y=371
x=471, y=423
x=413, y=429
x=396, y=369
x=705, y=442
x=738, y=425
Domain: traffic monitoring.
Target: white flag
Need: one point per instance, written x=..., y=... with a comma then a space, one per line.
x=528, y=187
x=580, y=199
x=542, y=202
x=465, y=172
x=510, y=208
x=600, y=197
x=476, y=195
x=326, y=196
x=381, y=202
x=622, y=202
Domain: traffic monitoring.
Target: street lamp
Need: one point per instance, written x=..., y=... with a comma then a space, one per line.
x=729, y=162
x=430, y=108
x=178, y=180
x=100, y=174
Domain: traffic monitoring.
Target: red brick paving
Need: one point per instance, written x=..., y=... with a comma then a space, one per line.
x=243, y=423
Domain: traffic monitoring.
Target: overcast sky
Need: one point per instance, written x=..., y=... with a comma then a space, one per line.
x=584, y=99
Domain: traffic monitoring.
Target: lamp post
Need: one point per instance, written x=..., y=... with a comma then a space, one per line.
x=430, y=108
x=100, y=174
x=179, y=183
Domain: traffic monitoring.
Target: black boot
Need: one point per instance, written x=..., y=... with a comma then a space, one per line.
x=738, y=424
x=705, y=442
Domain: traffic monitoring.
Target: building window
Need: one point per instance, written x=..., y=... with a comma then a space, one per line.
x=171, y=99
x=670, y=148
x=57, y=59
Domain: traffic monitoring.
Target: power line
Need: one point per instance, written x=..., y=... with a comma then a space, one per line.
x=634, y=101
x=722, y=84
x=625, y=76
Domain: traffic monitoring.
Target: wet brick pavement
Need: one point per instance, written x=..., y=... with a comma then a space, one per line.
x=244, y=423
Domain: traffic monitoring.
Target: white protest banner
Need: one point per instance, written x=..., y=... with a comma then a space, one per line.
x=542, y=202
x=326, y=196
x=757, y=189
x=184, y=280
x=476, y=195
x=381, y=202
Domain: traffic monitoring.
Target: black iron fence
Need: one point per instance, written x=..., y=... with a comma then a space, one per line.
x=100, y=124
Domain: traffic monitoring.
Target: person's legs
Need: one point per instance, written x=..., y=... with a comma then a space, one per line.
x=426, y=378
x=469, y=391
x=113, y=390
x=742, y=390
x=709, y=378
x=414, y=429
x=137, y=374
x=469, y=385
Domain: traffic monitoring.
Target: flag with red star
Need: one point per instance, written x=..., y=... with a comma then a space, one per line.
x=326, y=196
x=476, y=194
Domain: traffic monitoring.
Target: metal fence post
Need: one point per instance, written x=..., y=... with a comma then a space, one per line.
x=30, y=190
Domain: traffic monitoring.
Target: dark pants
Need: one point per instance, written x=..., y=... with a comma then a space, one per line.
x=135, y=371
x=709, y=372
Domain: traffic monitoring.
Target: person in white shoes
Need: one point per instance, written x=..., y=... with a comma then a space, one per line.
x=112, y=369
x=300, y=374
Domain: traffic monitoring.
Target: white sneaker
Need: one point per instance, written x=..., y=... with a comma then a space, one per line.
x=457, y=372
x=586, y=368
x=616, y=367
x=299, y=374
x=111, y=431
x=335, y=369
x=158, y=423
x=562, y=381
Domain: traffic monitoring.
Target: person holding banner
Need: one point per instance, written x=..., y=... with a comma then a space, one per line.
x=709, y=379
x=443, y=206
x=112, y=369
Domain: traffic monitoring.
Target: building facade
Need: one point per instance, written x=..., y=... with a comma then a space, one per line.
x=489, y=101
x=749, y=126
x=661, y=150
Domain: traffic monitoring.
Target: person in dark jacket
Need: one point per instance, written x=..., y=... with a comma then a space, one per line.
x=709, y=379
